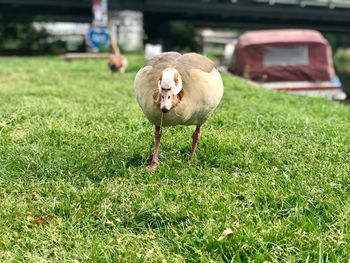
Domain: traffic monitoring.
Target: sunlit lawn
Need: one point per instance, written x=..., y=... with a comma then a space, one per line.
x=74, y=147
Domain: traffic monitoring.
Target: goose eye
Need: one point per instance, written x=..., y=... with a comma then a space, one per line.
x=168, y=97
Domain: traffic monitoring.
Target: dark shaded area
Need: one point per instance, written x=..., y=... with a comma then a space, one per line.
x=19, y=37
x=17, y=34
x=48, y=10
x=218, y=13
x=178, y=36
x=173, y=22
x=242, y=14
x=342, y=65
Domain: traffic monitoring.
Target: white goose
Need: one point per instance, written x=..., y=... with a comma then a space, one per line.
x=187, y=88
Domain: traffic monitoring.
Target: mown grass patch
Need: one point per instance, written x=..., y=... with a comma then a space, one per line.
x=74, y=185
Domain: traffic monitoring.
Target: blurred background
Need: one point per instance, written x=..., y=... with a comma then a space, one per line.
x=211, y=27
x=51, y=26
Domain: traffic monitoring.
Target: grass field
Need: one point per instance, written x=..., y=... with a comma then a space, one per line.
x=74, y=148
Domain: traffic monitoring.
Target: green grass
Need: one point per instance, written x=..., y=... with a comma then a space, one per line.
x=342, y=60
x=74, y=147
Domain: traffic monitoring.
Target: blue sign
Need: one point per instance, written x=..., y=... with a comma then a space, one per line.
x=98, y=37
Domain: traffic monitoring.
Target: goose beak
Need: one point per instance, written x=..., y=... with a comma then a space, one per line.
x=166, y=100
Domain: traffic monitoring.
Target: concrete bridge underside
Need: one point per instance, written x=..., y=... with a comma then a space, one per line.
x=327, y=16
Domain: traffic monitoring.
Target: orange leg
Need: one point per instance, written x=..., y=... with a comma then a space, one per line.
x=196, y=136
x=155, y=161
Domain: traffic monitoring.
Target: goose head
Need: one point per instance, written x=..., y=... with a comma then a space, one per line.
x=169, y=85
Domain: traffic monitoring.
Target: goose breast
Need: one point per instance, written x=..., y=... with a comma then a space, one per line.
x=202, y=88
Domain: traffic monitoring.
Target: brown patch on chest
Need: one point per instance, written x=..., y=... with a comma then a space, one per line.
x=156, y=98
x=177, y=99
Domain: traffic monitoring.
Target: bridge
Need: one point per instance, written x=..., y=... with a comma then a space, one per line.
x=323, y=15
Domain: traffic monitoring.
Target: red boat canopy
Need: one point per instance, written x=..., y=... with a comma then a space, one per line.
x=283, y=55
